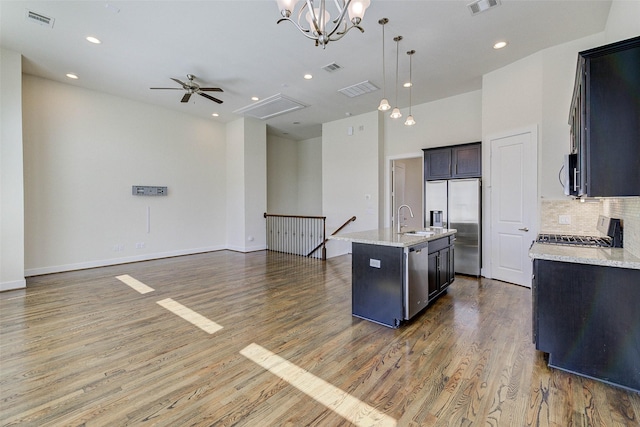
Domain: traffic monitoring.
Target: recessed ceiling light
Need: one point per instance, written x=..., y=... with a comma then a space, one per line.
x=255, y=98
x=93, y=40
x=499, y=45
x=407, y=84
x=215, y=114
x=72, y=76
x=308, y=76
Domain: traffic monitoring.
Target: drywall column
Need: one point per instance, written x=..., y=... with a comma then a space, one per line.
x=246, y=185
x=11, y=173
x=351, y=154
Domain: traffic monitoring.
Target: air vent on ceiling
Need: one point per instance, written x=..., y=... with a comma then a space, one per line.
x=271, y=107
x=358, y=89
x=38, y=18
x=330, y=68
x=482, y=5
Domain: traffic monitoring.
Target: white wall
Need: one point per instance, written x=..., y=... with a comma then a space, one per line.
x=350, y=176
x=11, y=172
x=246, y=201
x=83, y=152
x=448, y=121
x=623, y=21
x=310, y=176
x=282, y=175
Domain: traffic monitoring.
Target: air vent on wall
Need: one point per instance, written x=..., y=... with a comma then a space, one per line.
x=270, y=107
x=38, y=18
x=482, y=5
x=358, y=89
x=330, y=68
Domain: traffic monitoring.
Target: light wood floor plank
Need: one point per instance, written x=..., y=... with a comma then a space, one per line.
x=81, y=348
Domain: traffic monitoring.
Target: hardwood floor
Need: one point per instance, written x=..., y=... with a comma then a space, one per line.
x=85, y=348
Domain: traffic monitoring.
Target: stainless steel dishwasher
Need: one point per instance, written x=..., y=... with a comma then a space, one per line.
x=417, y=279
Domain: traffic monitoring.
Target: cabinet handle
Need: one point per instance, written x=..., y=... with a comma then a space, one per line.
x=525, y=229
x=575, y=179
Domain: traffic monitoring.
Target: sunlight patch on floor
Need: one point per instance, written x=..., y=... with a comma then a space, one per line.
x=190, y=316
x=135, y=284
x=339, y=401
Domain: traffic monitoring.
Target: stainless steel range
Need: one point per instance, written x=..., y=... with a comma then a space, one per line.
x=609, y=226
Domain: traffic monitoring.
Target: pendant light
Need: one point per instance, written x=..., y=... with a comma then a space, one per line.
x=396, y=114
x=384, y=103
x=410, y=121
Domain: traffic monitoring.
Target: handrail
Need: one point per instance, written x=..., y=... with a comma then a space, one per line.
x=353, y=218
x=295, y=216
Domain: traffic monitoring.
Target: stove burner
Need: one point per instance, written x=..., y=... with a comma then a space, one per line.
x=564, y=239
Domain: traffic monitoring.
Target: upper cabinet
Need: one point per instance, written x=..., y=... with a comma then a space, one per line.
x=604, y=119
x=458, y=161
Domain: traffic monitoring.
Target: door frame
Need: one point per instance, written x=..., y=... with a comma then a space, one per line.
x=388, y=185
x=487, y=247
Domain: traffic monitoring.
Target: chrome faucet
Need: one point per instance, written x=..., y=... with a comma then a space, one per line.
x=398, y=216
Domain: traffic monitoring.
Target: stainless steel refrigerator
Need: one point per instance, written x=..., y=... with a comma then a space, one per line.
x=459, y=200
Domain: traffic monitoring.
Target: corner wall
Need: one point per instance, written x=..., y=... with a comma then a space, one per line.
x=11, y=173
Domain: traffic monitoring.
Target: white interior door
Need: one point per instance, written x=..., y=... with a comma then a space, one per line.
x=513, y=206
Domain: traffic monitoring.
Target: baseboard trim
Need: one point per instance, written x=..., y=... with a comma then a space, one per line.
x=116, y=261
x=10, y=286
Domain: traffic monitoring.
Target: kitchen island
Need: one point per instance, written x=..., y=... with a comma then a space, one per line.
x=585, y=311
x=396, y=275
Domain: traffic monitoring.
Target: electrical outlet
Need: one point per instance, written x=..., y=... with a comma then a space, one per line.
x=118, y=248
x=140, y=245
x=564, y=219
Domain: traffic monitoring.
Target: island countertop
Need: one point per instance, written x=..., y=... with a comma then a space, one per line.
x=390, y=237
x=608, y=257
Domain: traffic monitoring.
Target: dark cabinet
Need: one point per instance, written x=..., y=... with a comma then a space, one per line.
x=391, y=284
x=441, y=272
x=458, y=161
x=586, y=318
x=604, y=120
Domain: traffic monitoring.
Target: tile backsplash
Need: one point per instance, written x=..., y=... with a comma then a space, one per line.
x=583, y=217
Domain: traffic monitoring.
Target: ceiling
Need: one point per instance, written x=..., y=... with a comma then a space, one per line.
x=237, y=45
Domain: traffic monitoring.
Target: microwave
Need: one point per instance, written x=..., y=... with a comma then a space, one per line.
x=569, y=174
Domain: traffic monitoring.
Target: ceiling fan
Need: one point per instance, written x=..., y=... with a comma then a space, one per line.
x=193, y=87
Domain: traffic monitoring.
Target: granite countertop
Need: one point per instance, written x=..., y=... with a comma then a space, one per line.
x=390, y=237
x=608, y=257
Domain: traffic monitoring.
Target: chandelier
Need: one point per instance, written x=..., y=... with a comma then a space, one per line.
x=320, y=27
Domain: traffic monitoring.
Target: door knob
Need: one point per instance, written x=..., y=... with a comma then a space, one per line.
x=525, y=229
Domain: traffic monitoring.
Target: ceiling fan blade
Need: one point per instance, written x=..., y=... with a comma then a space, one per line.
x=186, y=97
x=210, y=97
x=172, y=88
x=211, y=89
x=184, y=85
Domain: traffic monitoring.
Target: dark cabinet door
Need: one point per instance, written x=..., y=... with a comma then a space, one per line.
x=605, y=120
x=584, y=317
x=377, y=283
x=433, y=275
x=445, y=256
x=458, y=161
x=467, y=160
x=437, y=164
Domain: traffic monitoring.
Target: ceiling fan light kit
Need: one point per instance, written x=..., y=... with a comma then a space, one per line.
x=192, y=87
x=319, y=25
